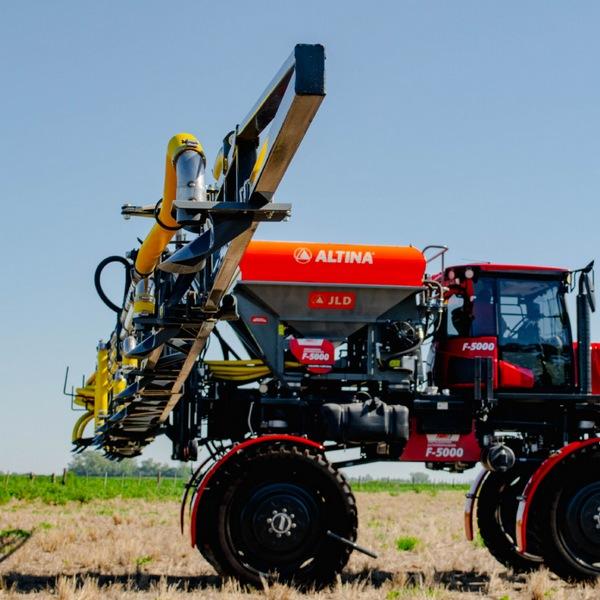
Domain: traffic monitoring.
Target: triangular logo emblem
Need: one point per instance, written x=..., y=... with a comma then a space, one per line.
x=302, y=255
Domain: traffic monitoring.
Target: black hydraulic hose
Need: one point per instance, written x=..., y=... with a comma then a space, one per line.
x=98, y=273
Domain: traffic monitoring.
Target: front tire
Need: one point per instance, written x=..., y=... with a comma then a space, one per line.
x=570, y=505
x=496, y=518
x=272, y=507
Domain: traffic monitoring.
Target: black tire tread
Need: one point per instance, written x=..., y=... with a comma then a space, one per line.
x=227, y=480
x=495, y=540
x=580, y=467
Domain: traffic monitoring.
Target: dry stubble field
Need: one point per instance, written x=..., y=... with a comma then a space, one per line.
x=132, y=549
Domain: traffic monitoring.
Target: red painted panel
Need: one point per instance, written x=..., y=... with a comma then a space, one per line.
x=595, y=347
x=481, y=347
x=440, y=447
x=319, y=354
x=513, y=376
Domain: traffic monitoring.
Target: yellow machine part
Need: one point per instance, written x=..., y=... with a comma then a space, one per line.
x=143, y=306
x=260, y=160
x=80, y=425
x=118, y=385
x=99, y=387
x=219, y=167
x=242, y=370
x=84, y=396
x=158, y=238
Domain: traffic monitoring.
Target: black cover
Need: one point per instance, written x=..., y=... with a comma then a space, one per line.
x=370, y=421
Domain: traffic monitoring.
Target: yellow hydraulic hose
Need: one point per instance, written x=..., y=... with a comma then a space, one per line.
x=158, y=238
x=242, y=370
x=80, y=425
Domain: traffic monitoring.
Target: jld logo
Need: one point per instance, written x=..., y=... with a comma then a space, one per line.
x=332, y=300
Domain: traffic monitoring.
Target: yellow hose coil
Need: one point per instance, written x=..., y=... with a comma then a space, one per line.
x=242, y=370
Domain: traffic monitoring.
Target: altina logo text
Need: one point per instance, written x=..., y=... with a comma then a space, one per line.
x=357, y=257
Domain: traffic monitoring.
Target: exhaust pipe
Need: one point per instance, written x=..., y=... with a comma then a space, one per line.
x=586, y=304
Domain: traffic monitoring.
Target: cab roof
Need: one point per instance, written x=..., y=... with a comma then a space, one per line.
x=506, y=268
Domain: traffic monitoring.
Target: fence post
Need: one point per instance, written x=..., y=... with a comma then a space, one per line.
x=64, y=477
x=53, y=478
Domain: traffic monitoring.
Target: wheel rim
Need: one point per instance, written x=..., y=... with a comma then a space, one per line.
x=279, y=526
x=579, y=525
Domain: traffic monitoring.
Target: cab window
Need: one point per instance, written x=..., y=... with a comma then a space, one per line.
x=533, y=329
x=458, y=323
x=473, y=317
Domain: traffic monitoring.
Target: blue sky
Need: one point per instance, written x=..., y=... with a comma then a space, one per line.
x=471, y=124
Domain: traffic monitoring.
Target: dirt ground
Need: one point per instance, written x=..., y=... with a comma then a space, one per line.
x=132, y=549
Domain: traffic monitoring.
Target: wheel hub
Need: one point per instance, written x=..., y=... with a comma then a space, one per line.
x=281, y=523
x=280, y=519
x=589, y=516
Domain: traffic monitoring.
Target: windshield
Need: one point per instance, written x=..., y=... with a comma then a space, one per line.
x=534, y=331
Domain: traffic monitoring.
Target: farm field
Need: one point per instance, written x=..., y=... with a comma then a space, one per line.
x=55, y=541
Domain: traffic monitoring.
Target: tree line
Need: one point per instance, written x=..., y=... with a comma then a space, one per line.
x=93, y=464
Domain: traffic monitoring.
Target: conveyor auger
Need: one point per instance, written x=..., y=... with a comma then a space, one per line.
x=176, y=289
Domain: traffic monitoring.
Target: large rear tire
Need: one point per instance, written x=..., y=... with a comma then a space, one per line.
x=569, y=503
x=496, y=517
x=270, y=510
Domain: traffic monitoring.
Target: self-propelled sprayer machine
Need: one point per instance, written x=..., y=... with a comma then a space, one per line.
x=330, y=358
